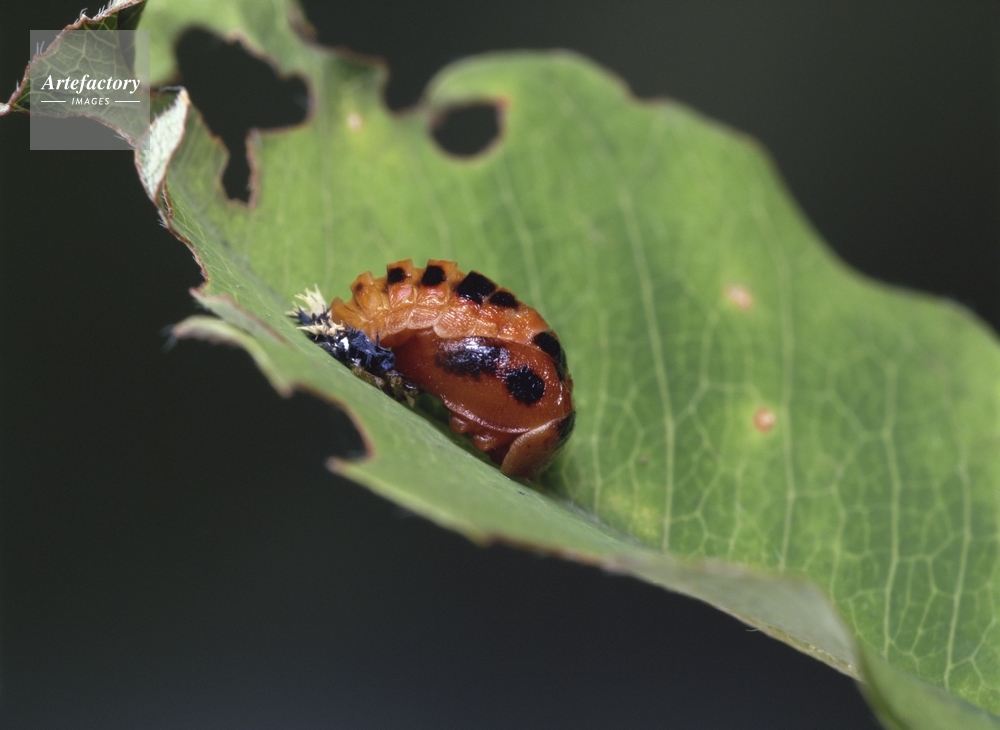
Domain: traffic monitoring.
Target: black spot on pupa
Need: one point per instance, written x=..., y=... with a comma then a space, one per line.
x=525, y=385
x=549, y=344
x=566, y=428
x=504, y=299
x=471, y=356
x=433, y=275
x=395, y=275
x=474, y=287
x=359, y=287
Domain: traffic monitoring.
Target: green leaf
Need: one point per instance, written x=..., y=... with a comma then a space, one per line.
x=757, y=425
x=903, y=702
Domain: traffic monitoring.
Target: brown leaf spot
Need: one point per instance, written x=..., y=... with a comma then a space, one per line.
x=764, y=419
x=740, y=296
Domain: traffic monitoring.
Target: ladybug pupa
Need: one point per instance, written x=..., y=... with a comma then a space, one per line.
x=491, y=359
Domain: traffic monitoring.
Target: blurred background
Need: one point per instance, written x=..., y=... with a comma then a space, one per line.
x=173, y=553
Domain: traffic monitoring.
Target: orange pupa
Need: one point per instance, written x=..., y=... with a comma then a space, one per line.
x=493, y=361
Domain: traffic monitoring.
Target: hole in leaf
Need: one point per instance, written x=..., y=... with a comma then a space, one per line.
x=236, y=92
x=467, y=130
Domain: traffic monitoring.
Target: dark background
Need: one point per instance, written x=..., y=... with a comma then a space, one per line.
x=173, y=553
